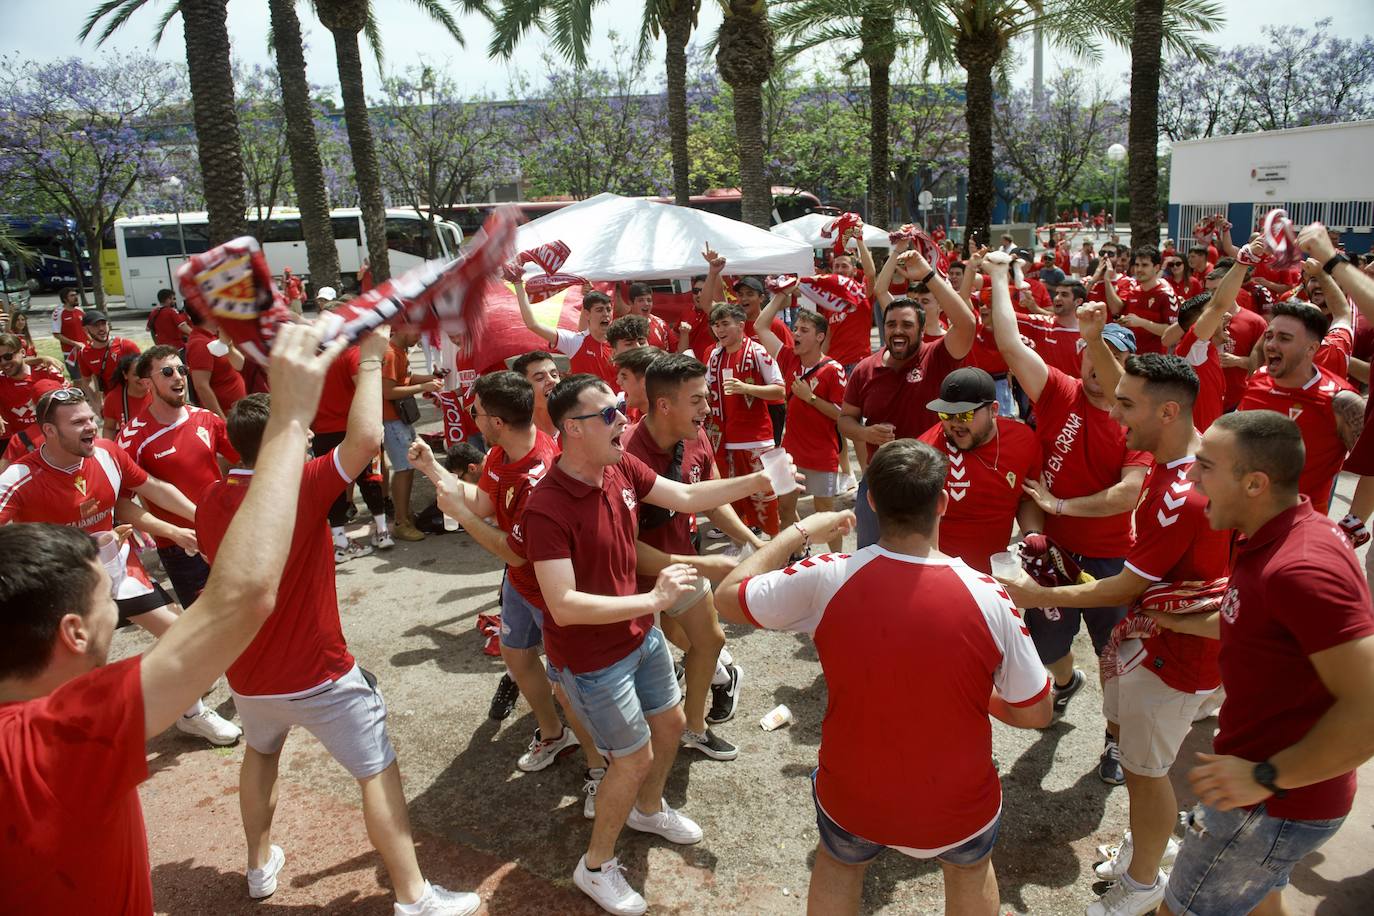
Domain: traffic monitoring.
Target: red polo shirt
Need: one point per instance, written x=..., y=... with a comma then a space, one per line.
x=224, y=378
x=899, y=395
x=595, y=528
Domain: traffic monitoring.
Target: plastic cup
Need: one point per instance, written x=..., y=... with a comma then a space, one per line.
x=451, y=523
x=779, y=469
x=776, y=718
x=107, y=545
x=1006, y=565
x=727, y=374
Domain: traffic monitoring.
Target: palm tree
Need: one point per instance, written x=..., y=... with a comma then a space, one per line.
x=880, y=34
x=744, y=56
x=307, y=170
x=569, y=29
x=212, y=100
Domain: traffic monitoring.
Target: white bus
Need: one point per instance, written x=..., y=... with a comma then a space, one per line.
x=152, y=247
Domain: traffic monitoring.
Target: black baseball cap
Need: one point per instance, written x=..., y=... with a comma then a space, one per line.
x=91, y=318
x=964, y=389
x=753, y=283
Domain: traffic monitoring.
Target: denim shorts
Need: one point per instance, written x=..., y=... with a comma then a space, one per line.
x=616, y=701
x=852, y=849
x=1053, y=631
x=522, y=624
x=396, y=438
x=1237, y=858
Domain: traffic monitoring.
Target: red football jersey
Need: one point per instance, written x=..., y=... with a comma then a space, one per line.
x=184, y=454
x=1310, y=407
x=118, y=405
x=1159, y=303
x=1334, y=353
x=103, y=363
x=1243, y=332
x=662, y=334
x=742, y=420
x=336, y=399
x=69, y=323
x=1058, y=346
x=810, y=436
x=508, y=484
x=1206, y=362
x=224, y=378
x=850, y=338
x=587, y=354
x=18, y=394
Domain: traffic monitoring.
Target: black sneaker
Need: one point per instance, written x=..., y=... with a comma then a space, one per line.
x=503, y=702
x=710, y=744
x=1062, y=695
x=725, y=697
x=1109, y=764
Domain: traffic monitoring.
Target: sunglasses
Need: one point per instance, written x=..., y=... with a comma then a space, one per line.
x=607, y=415
x=472, y=412
x=59, y=398
x=169, y=371
x=963, y=417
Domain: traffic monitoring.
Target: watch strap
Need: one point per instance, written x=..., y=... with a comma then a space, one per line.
x=1337, y=258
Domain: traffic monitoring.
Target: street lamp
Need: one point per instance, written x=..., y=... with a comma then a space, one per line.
x=1116, y=152
x=173, y=183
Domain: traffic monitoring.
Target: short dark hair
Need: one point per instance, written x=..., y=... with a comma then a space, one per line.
x=594, y=297
x=816, y=320
x=462, y=456
x=903, y=302
x=525, y=360
x=122, y=369
x=565, y=395
x=1076, y=289
x=1149, y=252
x=152, y=355
x=1191, y=310
x=12, y=341
x=640, y=289
x=245, y=424
x=953, y=264
x=668, y=373
x=636, y=359
x=46, y=572
x=164, y=294
x=1267, y=442
x=724, y=310
x=1198, y=249
x=48, y=403
x=1167, y=377
x=628, y=327
x=62, y=293
x=1309, y=315
x=508, y=396
x=905, y=478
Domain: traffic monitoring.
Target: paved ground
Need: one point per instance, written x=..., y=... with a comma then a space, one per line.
x=409, y=616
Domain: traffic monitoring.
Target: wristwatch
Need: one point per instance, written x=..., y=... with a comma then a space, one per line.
x=1265, y=774
x=1337, y=258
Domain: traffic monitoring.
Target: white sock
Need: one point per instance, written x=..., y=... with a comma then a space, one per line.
x=1135, y=885
x=418, y=906
x=725, y=658
x=380, y=522
x=195, y=709
x=340, y=537
x=721, y=676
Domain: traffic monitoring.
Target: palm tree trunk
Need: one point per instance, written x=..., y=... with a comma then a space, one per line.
x=756, y=204
x=978, y=115
x=744, y=56
x=307, y=170
x=364, y=151
x=1147, y=39
x=215, y=117
x=879, y=180
x=677, y=30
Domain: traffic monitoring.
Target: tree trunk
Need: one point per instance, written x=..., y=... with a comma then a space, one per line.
x=744, y=56
x=1147, y=39
x=364, y=151
x=879, y=180
x=215, y=116
x=677, y=30
x=307, y=169
x=981, y=190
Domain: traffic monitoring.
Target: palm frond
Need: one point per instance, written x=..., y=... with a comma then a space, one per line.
x=570, y=29
x=162, y=23
x=512, y=23
x=121, y=10
x=373, y=33
x=439, y=12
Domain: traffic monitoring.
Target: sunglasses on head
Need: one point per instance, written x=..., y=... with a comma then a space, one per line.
x=963, y=417
x=169, y=371
x=607, y=415
x=62, y=397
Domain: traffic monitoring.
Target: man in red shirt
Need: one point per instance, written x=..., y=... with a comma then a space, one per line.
x=1202, y=321
x=76, y=800
x=68, y=329
x=661, y=334
x=587, y=351
x=1162, y=674
x=541, y=371
x=98, y=361
x=1297, y=661
x=850, y=338
x=1055, y=336
x=1091, y=483
x=214, y=367
x=167, y=323
x=330, y=428
x=742, y=377
x=610, y=659
x=814, y=383
x=186, y=446
x=1244, y=329
x=297, y=671
x=22, y=381
x=900, y=619
x=990, y=459
x=885, y=397
x=1151, y=307
x=1329, y=413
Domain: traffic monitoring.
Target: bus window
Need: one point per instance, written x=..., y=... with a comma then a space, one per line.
x=163, y=240
x=346, y=228
x=284, y=230
x=407, y=236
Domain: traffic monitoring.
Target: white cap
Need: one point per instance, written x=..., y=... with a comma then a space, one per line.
x=326, y=292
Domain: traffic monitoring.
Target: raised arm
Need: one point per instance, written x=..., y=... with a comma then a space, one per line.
x=763, y=325
x=962, y=323
x=1355, y=283
x=712, y=290
x=449, y=491
x=1092, y=318
x=570, y=607
x=866, y=259
x=363, y=435
x=1027, y=365
x=1223, y=297
x=527, y=315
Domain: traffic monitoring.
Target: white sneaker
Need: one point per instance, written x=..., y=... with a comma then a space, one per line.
x=667, y=823
x=593, y=782
x=262, y=882
x=440, y=902
x=544, y=752
x=1122, y=900
x=609, y=888
x=1119, y=858
x=383, y=540
x=211, y=726
x=351, y=552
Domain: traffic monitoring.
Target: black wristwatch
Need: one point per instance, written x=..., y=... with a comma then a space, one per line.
x=1265, y=774
x=1337, y=258
x=928, y=277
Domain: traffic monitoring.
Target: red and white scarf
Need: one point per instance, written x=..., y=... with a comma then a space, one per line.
x=1164, y=597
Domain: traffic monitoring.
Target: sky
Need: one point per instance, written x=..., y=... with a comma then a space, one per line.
x=49, y=28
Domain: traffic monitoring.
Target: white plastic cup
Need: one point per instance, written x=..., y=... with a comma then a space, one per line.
x=1006, y=565
x=779, y=469
x=776, y=718
x=451, y=523
x=107, y=544
x=727, y=374
x=217, y=348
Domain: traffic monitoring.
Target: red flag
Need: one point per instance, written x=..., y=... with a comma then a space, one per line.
x=832, y=292
x=841, y=228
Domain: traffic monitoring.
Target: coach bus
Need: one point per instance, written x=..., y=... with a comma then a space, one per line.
x=60, y=253
x=152, y=247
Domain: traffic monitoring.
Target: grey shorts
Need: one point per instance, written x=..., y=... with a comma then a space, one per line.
x=347, y=716
x=396, y=438
x=689, y=600
x=821, y=483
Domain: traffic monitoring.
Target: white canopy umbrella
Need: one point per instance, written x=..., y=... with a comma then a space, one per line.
x=808, y=229
x=624, y=238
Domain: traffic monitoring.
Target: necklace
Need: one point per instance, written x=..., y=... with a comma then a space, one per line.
x=997, y=454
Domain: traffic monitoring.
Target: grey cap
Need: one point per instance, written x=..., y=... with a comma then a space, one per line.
x=1119, y=336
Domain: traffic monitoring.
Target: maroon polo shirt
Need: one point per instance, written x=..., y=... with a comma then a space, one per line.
x=595, y=527
x=1296, y=589
x=899, y=396
x=698, y=464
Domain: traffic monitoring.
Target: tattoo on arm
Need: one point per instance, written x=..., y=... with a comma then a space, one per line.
x=1349, y=409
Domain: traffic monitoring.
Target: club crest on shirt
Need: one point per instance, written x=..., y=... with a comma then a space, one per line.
x=1011, y=479
x=1294, y=412
x=204, y=435
x=1230, y=605
x=80, y=483
x=629, y=496
x=915, y=375
x=694, y=476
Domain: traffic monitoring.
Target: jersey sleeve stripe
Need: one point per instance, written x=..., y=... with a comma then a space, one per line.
x=1033, y=700
x=338, y=466
x=744, y=603
x=1142, y=573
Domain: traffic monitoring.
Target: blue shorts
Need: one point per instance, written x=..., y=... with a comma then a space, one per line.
x=522, y=624
x=852, y=849
x=616, y=702
x=1053, y=632
x=1234, y=859
x=396, y=438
